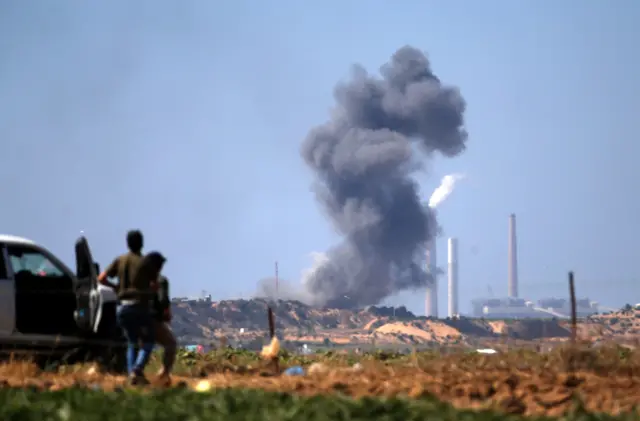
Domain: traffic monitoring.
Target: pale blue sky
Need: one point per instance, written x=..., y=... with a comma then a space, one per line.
x=185, y=119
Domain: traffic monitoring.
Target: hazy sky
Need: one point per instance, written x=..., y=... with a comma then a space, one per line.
x=185, y=119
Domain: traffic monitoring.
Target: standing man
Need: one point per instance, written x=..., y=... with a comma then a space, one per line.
x=131, y=260
x=135, y=314
x=134, y=293
x=162, y=327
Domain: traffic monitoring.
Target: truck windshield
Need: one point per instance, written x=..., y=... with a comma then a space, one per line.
x=34, y=262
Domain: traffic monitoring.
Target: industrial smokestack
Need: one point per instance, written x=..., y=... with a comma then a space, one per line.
x=452, y=261
x=513, y=258
x=431, y=298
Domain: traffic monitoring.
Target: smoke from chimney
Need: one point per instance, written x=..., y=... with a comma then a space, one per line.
x=513, y=258
x=452, y=261
x=363, y=160
x=439, y=195
x=447, y=184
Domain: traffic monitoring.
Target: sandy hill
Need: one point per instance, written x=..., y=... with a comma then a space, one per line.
x=622, y=325
x=246, y=321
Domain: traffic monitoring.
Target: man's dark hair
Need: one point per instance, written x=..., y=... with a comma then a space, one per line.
x=150, y=266
x=135, y=241
x=155, y=260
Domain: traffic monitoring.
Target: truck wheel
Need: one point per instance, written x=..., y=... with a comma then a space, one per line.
x=114, y=360
x=112, y=357
x=47, y=362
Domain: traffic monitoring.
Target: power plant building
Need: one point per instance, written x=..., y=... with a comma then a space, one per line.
x=514, y=307
x=518, y=308
x=511, y=307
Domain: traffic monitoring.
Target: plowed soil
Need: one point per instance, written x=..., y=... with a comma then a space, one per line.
x=510, y=383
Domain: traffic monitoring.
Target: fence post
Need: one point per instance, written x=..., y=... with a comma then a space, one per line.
x=272, y=333
x=574, y=315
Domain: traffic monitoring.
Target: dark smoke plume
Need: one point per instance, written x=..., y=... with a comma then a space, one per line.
x=364, y=158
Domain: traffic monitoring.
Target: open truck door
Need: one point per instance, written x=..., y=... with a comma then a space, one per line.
x=89, y=307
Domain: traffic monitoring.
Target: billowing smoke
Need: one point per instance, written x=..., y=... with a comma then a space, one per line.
x=363, y=159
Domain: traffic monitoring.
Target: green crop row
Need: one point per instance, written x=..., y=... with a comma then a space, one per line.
x=231, y=405
x=603, y=360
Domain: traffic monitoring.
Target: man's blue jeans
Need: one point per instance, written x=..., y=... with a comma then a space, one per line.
x=137, y=325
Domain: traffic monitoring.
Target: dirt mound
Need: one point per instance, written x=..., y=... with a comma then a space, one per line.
x=625, y=322
x=536, y=329
x=473, y=327
x=244, y=321
x=519, y=392
x=498, y=326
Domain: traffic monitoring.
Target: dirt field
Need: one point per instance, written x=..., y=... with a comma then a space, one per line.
x=604, y=379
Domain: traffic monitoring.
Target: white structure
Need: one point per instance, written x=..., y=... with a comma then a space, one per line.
x=452, y=261
x=513, y=258
x=431, y=298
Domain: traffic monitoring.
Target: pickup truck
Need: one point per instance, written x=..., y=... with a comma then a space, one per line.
x=53, y=313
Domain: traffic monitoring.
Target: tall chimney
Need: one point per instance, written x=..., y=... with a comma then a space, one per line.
x=431, y=298
x=513, y=257
x=452, y=261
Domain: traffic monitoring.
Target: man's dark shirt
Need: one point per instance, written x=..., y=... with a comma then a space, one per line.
x=125, y=268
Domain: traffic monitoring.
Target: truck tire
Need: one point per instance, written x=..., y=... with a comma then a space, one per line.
x=114, y=361
x=112, y=355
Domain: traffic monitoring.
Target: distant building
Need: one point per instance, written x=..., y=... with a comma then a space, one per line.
x=518, y=308
x=584, y=306
x=205, y=299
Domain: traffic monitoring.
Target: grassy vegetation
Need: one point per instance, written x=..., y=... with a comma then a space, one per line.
x=230, y=405
x=603, y=360
x=568, y=381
